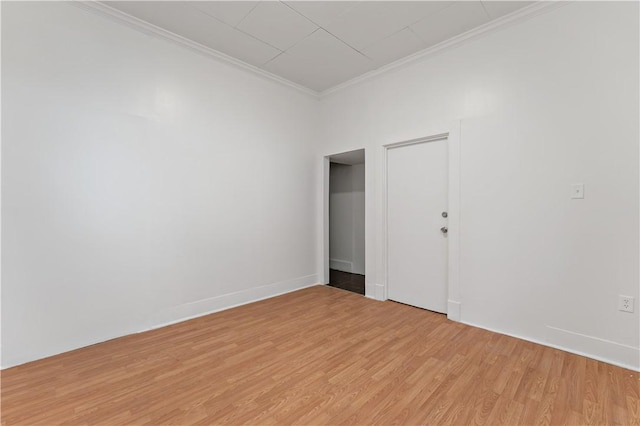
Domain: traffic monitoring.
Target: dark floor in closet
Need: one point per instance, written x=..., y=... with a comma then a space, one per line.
x=346, y=281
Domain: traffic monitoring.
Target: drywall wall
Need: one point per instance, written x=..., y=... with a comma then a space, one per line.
x=142, y=183
x=543, y=104
x=346, y=218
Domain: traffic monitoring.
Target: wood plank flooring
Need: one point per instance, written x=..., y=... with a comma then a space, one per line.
x=319, y=356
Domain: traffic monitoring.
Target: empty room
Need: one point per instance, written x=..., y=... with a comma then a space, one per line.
x=320, y=212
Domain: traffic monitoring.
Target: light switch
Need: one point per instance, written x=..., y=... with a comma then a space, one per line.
x=577, y=190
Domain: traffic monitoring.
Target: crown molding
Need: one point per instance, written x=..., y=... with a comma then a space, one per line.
x=513, y=18
x=120, y=17
x=497, y=24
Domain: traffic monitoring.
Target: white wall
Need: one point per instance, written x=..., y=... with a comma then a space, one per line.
x=543, y=104
x=141, y=183
x=346, y=218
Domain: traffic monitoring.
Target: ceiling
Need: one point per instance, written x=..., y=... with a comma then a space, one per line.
x=348, y=158
x=317, y=44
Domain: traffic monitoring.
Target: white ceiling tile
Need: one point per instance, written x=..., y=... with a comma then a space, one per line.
x=242, y=46
x=322, y=47
x=310, y=75
x=183, y=19
x=370, y=21
x=321, y=12
x=394, y=47
x=496, y=9
x=277, y=24
x=456, y=19
x=298, y=71
x=231, y=12
x=320, y=61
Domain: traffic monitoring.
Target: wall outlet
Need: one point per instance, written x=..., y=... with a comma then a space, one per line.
x=577, y=191
x=625, y=303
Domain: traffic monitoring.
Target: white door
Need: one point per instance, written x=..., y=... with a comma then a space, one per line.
x=417, y=188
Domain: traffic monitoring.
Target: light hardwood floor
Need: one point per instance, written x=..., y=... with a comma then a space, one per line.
x=319, y=356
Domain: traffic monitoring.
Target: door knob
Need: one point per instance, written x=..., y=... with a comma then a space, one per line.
x=444, y=229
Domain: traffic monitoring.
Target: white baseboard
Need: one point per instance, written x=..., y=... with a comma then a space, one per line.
x=453, y=310
x=580, y=344
x=379, y=292
x=374, y=291
x=200, y=308
x=341, y=265
x=178, y=314
x=594, y=347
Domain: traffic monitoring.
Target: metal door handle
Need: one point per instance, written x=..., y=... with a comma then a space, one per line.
x=444, y=229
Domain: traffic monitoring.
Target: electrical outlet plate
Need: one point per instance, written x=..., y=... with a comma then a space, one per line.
x=625, y=303
x=577, y=191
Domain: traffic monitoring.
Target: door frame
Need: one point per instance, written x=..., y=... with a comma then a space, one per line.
x=326, y=173
x=452, y=135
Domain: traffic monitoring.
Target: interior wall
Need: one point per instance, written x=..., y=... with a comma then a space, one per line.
x=346, y=218
x=142, y=183
x=542, y=105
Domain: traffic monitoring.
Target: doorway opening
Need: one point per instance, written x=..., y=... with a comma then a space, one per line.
x=346, y=214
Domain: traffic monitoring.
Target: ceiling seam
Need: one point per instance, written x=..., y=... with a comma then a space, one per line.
x=323, y=28
x=304, y=16
x=239, y=30
x=413, y=23
x=302, y=39
x=416, y=34
x=245, y=16
x=266, y=42
x=273, y=59
x=485, y=9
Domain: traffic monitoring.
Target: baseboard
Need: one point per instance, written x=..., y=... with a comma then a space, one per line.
x=594, y=347
x=182, y=313
x=203, y=307
x=453, y=310
x=341, y=265
x=580, y=344
x=378, y=292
